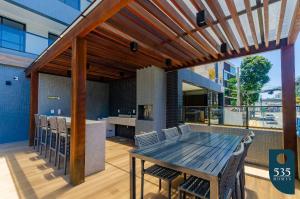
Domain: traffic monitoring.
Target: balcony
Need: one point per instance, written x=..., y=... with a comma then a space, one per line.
x=22, y=41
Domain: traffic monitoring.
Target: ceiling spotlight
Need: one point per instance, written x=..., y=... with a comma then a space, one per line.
x=223, y=47
x=133, y=46
x=201, y=18
x=168, y=62
x=69, y=73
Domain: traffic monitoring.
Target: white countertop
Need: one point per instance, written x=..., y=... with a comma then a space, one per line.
x=125, y=121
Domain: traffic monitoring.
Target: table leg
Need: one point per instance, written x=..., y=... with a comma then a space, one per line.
x=214, y=187
x=132, y=178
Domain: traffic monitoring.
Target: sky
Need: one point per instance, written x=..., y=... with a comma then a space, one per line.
x=274, y=58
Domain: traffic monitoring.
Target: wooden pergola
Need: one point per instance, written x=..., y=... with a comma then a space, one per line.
x=168, y=34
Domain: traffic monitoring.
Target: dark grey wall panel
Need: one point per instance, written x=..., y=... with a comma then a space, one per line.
x=56, y=86
x=14, y=104
x=122, y=96
x=172, y=99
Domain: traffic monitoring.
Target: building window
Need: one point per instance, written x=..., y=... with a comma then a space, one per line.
x=73, y=3
x=52, y=38
x=12, y=34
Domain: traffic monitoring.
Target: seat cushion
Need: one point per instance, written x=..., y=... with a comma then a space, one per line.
x=162, y=172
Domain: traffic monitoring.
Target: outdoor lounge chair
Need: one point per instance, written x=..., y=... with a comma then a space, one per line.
x=201, y=188
x=171, y=133
x=185, y=128
x=162, y=173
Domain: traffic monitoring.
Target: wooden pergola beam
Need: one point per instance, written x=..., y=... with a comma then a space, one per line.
x=34, y=90
x=295, y=25
x=237, y=23
x=105, y=10
x=266, y=20
x=289, y=99
x=280, y=21
x=78, y=111
x=251, y=22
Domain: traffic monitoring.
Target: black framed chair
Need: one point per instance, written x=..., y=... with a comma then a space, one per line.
x=45, y=135
x=53, y=146
x=200, y=188
x=63, y=143
x=185, y=128
x=171, y=133
x=162, y=173
x=240, y=176
x=37, y=135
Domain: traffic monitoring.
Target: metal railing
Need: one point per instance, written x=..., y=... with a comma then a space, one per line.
x=22, y=41
x=240, y=116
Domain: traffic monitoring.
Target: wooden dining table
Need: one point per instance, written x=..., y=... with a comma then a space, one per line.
x=200, y=154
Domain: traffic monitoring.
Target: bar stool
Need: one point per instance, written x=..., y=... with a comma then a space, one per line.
x=53, y=146
x=63, y=143
x=36, y=143
x=44, y=130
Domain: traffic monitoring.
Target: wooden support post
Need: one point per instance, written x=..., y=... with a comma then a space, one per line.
x=289, y=98
x=34, y=90
x=77, y=151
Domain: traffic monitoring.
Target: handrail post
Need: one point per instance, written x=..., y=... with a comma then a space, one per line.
x=247, y=117
x=208, y=114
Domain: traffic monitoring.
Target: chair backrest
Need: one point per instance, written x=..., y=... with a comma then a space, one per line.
x=53, y=123
x=44, y=121
x=247, y=142
x=170, y=132
x=61, y=125
x=37, y=120
x=146, y=139
x=227, y=179
x=185, y=128
x=251, y=134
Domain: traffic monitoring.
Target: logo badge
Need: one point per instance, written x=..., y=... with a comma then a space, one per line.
x=282, y=175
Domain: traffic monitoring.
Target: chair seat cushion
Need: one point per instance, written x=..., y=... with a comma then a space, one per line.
x=162, y=172
x=196, y=186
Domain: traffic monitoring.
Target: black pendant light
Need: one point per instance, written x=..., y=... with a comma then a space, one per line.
x=168, y=62
x=223, y=47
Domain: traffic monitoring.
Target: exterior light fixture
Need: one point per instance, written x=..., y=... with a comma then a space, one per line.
x=200, y=18
x=223, y=47
x=168, y=62
x=133, y=46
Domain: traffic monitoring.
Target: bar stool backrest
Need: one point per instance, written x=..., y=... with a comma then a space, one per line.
x=227, y=179
x=146, y=139
x=61, y=125
x=53, y=123
x=185, y=128
x=37, y=120
x=171, y=132
x=44, y=121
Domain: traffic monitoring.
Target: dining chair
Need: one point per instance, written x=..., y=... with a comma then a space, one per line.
x=240, y=176
x=53, y=146
x=36, y=143
x=162, y=173
x=201, y=188
x=171, y=133
x=185, y=128
x=63, y=143
x=44, y=130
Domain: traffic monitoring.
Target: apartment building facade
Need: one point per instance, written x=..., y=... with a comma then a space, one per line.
x=27, y=28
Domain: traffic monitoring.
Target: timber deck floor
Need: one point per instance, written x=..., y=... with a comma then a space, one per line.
x=24, y=174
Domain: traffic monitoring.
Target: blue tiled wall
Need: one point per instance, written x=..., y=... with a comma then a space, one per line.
x=14, y=104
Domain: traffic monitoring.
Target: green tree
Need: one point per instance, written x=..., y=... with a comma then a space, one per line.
x=254, y=75
x=232, y=90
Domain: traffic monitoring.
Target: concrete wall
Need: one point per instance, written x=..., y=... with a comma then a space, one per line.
x=151, y=90
x=259, y=150
x=14, y=104
x=97, y=104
